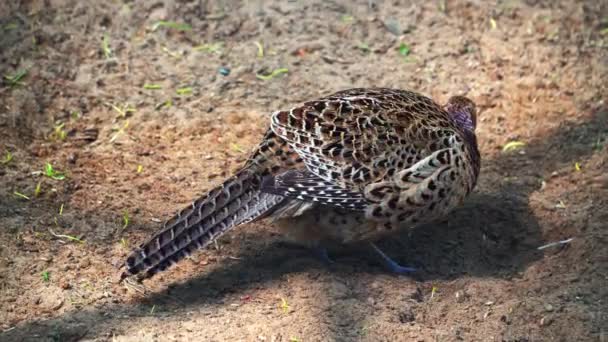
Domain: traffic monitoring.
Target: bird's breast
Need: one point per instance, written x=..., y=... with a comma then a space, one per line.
x=322, y=224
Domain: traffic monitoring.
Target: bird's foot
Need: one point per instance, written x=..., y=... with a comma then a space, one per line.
x=391, y=264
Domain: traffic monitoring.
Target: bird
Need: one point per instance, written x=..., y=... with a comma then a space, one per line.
x=352, y=167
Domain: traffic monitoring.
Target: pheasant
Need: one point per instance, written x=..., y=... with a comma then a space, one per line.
x=351, y=167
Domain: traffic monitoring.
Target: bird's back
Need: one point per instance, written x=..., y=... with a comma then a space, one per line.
x=358, y=136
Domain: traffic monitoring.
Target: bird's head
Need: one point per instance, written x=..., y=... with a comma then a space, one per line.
x=463, y=111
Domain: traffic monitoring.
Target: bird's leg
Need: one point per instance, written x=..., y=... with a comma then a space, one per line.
x=321, y=253
x=389, y=263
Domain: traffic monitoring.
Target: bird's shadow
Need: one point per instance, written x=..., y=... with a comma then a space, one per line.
x=490, y=236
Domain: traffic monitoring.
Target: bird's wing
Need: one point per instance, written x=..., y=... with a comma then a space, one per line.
x=427, y=189
x=308, y=187
x=358, y=137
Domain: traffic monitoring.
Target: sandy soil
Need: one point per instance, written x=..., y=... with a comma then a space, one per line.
x=537, y=69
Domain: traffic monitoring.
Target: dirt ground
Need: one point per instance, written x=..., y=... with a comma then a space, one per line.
x=140, y=118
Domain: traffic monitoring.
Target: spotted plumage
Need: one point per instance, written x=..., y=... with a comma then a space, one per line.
x=350, y=167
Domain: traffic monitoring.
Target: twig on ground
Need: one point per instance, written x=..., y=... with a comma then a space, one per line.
x=63, y=236
x=553, y=244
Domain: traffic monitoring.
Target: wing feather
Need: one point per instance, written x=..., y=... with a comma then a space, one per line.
x=394, y=153
x=306, y=186
x=356, y=137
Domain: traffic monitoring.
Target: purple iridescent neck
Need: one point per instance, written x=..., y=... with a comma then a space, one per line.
x=463, y=119
x=463, y=112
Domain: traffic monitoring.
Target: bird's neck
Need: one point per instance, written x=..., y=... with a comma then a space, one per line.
x=463, y=120
x=471, y=140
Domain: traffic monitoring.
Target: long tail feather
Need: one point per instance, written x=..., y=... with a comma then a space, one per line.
x=238, y=200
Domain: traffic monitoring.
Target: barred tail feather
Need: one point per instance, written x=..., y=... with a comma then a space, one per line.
x=238, y=200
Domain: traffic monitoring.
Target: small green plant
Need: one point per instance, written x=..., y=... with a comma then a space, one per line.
x=125, y=219
x=347, y=19
x=363, y=47
x=598, y=145
x=120, y=131
x=171, y=53
x=123, y=110
x=442, y=6
x=165, y=104
x=15, y=80
x=184, y=91
x=210, y=47
x=105, y=46
x=273, y=74
x=236, y=148
x=404, y=49
x=171, y=24
x=260, y=49
x=58, y=132
x=20, y=195
x=284, y=306
x=50, y=172
x=151, y=86
x=38, y=189
x=7, y=158
x=10, y=26
x=46, y=276
x=513, y=145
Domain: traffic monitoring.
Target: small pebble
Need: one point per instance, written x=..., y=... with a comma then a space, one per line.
x=546, y=320
x=224, y=71
x=407, y=316
x=65, y=285
x=72, y=158
x=84, y=263
x=58, y=305
x=392, y=26
x=548, y=307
